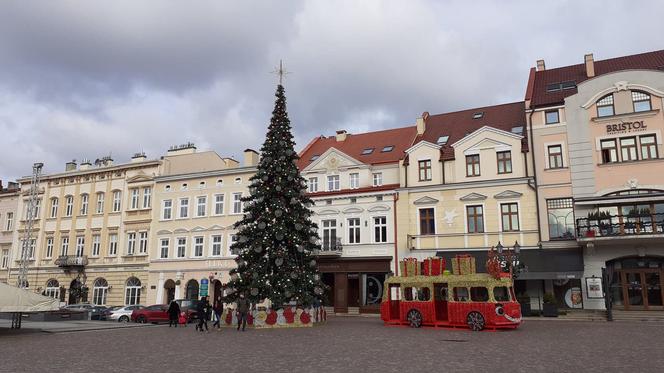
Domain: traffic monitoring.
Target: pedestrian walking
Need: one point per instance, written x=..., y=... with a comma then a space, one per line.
x=173, y=314
x=242, y=312
x=218, y=310
x=203, y=313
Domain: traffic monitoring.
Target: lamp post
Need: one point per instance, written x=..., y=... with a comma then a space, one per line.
x=509, y=258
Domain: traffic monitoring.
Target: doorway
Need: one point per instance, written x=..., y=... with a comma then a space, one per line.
x=642, y=289
x=395, y=299
x=353, y=290
x=169, y=287
x=75, y=292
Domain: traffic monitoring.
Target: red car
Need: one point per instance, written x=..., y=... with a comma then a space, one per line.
x=154, y=314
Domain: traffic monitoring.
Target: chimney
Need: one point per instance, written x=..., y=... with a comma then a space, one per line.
x=85, y=165
x=341, y=135
x=70, y=166
x=250, y=158
x=590, y=65
x=230, y=162
x=421, y=123
x=12, y=185
x=540, y=65
x=138, y=157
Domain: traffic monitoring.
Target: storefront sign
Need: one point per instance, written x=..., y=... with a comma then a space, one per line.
x=204, y=287
x=624, y=127
x=594, y=287
x=573, y=298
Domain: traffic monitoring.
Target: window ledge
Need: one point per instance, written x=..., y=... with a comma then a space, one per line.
x=627, y=163
x=638, y=114
x=557, y=169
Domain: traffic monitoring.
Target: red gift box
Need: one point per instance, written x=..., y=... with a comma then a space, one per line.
x=409, y=267
x=434, y=266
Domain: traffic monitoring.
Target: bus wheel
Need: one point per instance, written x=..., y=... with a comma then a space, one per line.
x=415, y=318
x=475, y=321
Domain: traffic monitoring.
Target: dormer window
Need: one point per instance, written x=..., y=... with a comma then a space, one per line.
x=517, y=130
x=641, y=101
x=314, y=157
x=388, y=148
x=478, y=115
x=605, y=106
x=367, y=151
x=442, y=140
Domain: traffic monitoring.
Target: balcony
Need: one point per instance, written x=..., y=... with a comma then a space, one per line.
x=605, y=225
x=330, y=248
x=71, y=261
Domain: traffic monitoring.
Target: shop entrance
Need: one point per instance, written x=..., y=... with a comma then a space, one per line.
x=638, y=284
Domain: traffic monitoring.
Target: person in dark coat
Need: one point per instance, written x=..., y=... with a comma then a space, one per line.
x=203, y=312
x=242, y=312
x=218, y=310
x=173, y=313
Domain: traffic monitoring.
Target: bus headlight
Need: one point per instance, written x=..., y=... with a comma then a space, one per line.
x=500, y=311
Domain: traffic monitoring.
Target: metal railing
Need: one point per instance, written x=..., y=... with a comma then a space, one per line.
x=620, y=225
x=332, y=246
x=71, y=261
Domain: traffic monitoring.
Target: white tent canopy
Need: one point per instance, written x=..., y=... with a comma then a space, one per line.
x=13, y=299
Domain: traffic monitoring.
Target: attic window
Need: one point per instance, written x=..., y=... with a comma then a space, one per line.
x=555, y=87
x=518, y=130
x=314, y=157
x=442, y=140
x=367, y=151
x=388, y=148
x=478, y=115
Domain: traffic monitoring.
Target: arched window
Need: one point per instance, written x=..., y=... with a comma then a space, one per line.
x=54, y=207
x=220, y=183
x=201, y=185
x=192, y=289
x=641, y=101
x=99, y=291
x=605, y=106
x=133, y=291
x=52, y=289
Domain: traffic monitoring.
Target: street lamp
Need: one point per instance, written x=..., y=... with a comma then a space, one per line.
x=509, y=259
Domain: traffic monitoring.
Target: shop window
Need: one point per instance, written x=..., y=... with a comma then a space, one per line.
x=560, y=214
x=479, y=294
x=641, y=101
x=504, y=162
x=609, y=151
x=460, y=294
x=648, y=147
x=373, y=288
x=551, y=117
x=605, y=106
x=628, y=149
x=501, y=294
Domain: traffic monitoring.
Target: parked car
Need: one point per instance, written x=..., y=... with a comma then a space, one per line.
x=189, y=306
x=154, y=314
x=96, y=312
x=122, y=313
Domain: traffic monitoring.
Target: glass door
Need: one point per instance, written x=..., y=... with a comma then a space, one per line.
x=642, y=289
x=653, y=289
x=633, y=290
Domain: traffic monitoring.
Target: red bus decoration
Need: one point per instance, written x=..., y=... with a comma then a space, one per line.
x=443, y=299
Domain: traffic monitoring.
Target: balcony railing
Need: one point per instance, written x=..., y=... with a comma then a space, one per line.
x=620, y=225
x=68, y=261
x=331, y=247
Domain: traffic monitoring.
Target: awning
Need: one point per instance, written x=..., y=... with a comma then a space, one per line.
x=13, y=299
x=542, y=264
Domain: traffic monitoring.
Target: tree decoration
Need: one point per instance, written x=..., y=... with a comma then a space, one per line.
x=276, y=237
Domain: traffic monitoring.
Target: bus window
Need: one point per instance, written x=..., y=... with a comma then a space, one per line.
x=501, y=294
x=394, y=292
x=441, y=292
x=423, y=294
x=479, y=294
x=460, y=294
x=410, y=294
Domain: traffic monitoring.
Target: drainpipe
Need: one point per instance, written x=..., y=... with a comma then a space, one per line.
x=532, y=154
x=396, y=244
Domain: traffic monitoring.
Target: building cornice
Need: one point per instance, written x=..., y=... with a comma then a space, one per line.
x=465, y=185
x=197, y=175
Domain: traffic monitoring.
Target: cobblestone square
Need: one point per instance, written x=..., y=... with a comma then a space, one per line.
x=345, y=344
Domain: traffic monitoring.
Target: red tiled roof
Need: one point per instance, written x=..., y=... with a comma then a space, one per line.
x=354, y=144
x=458, y=124
x=577, y=73
x=355, y=191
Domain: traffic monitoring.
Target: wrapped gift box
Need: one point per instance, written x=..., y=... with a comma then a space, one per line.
x=409, y=267
x=463, y=265
x=434, y=266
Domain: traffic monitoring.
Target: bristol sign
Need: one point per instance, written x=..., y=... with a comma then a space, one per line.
x=624, y=127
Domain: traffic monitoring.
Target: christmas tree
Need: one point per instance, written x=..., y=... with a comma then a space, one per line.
x=276, y=237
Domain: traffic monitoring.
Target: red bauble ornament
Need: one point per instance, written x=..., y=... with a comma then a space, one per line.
x=229, y=318
x=289, y=315
x=271, y=318
x=250, y=319
x=305, y=318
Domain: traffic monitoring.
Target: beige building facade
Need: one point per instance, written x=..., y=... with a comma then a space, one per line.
x=197, y=196
x=91, y=234
x=9, y=196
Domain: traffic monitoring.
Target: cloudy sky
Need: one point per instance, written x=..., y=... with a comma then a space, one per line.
x=79, y=79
